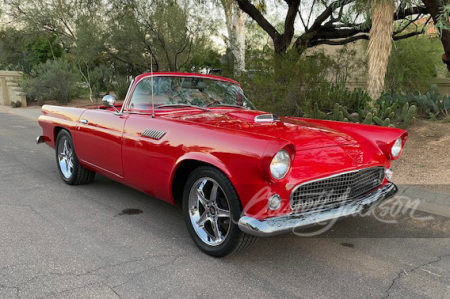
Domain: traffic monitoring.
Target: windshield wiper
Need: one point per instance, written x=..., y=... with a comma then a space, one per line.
x=181, y=106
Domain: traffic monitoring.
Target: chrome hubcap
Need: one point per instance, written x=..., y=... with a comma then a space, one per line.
x=65, y=157
x=209, y=211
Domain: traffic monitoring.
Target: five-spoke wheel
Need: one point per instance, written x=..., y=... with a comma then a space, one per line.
x=65, y=157
x=209, y=211
x=212, y=209
x=69, y=167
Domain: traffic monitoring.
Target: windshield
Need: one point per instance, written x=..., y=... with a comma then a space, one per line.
x=194, y=91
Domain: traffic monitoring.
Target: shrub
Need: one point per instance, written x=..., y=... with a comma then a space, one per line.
x=412, y=64
x=287, y=85
x=120, y=86
x=53, y=80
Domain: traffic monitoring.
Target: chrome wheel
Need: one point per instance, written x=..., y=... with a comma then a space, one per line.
x=209, y=211
x=65, y=157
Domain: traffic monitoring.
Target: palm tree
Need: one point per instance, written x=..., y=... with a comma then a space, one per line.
x=380, y=45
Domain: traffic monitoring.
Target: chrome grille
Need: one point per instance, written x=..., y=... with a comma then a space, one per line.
x=154, y=134
x=336, y=189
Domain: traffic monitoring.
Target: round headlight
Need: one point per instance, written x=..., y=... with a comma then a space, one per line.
x=280, y=164
x=396, y=148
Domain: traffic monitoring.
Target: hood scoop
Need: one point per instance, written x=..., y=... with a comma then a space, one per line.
x=266, y=118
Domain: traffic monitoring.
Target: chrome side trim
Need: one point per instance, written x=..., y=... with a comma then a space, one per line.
x=287, y=223
x=154, y=134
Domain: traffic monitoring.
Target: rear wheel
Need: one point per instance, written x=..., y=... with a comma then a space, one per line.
x=211, y=209
x=69, y=167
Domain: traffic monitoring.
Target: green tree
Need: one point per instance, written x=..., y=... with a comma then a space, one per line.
x=21, y=50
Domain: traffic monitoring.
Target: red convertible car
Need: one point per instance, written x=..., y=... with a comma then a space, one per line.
x=238, y=173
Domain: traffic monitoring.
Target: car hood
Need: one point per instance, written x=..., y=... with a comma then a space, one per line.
x=302, y=134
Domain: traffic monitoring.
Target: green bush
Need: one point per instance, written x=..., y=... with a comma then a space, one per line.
x=120, y=87
x=412, y=64
x=54, y=80
x=287, y=85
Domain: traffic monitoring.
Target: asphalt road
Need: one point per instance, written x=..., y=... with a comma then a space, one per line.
x=63, y=241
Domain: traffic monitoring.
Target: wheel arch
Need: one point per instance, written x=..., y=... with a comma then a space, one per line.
x=58, y=129
x=184, y=167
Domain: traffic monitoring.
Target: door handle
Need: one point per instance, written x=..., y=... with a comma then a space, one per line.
x=84, y=121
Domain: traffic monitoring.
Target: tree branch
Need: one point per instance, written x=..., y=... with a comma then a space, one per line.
x=256, y=15
x=402, y=14
x=411, y=34
x=328, y=12
x=341, y=41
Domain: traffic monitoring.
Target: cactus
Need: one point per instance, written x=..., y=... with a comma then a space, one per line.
x=337, y=113
x=377, y=120
x=408, y=115
x=347, y=115
x=387, y=112
x=317, y=114
x=368, y=119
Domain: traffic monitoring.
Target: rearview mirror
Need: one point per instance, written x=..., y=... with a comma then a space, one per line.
x=109, y=102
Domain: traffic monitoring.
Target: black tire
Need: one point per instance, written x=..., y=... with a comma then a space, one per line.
x=69, y=167
x=232, y=239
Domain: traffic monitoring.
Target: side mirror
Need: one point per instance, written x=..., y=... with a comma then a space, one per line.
x=109, y=102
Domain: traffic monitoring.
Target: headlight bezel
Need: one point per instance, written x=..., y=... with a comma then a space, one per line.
x=282, y=158
x=397, y=148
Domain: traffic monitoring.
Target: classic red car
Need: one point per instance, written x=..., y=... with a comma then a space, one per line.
x=239, y=173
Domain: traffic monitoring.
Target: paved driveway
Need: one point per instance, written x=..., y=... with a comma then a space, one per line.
x=63, y=241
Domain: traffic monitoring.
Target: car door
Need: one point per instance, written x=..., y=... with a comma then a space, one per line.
x=148, y=156
x=98, y=140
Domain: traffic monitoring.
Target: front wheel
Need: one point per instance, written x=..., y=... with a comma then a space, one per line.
x=69, y=167
x=211, y=209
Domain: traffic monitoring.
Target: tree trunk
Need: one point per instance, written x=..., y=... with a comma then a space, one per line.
x=380, y=45
x=239, y=18
x=432, y=7
x=235, y=20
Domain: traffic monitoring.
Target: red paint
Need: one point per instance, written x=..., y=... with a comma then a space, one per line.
x=227, y=138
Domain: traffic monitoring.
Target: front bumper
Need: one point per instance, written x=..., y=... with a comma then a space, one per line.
x=287, y=223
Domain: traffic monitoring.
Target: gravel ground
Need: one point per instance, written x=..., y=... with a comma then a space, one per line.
x=425, y=160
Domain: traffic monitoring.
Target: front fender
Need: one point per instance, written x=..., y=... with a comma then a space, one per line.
x=204, y=158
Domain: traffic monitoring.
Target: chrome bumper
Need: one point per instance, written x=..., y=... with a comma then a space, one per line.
x=287, y=223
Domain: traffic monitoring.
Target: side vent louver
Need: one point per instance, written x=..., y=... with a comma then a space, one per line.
x=154, y=134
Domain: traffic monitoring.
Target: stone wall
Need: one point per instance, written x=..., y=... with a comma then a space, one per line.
x=10, y=91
